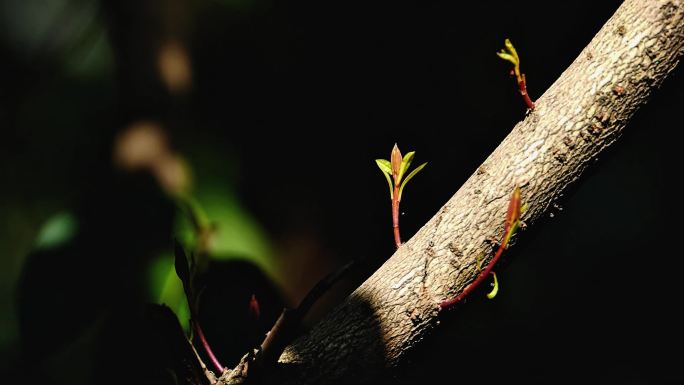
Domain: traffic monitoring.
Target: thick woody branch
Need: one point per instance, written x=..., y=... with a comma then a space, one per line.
x=580, y=115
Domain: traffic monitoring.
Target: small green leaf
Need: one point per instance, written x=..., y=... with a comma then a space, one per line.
x=389, y=182
x=514, y=227
x=511, y=49
x=386, y=169
x=495, y=289
x=406, y=163
x=57, y=231
x=408, y=178
x=507, y=57
x=384, y=165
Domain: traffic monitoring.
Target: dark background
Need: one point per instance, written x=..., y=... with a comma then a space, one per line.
x=289, y=105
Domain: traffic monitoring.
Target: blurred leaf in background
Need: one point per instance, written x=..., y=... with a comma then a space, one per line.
x=56, y=60
x=82, y=242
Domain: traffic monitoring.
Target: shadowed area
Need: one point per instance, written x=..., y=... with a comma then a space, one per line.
x=331, y=358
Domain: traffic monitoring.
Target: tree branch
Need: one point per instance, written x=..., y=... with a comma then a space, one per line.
x=580, y=115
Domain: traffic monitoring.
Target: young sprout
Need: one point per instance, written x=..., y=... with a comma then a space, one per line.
x=511, y=55
x=394, y=171
x=511, y=225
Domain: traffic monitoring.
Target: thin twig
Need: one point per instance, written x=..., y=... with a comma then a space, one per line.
x=289, y=321
x=322, y=287
x=207, y=348
x=395, y=217
x=511, y=224
x=483, y=274
x=526, y=97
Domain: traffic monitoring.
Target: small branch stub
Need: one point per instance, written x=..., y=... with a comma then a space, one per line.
x=511, y=55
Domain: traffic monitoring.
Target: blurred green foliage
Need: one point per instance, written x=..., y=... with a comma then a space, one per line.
x=59, y=117
x=57, y=230
x=166, y=288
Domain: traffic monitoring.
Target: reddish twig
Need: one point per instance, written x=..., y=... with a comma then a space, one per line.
x=481, y=277
x=395, y=217
x=395, y=162
x=523, y=91
x=287, y=324
x=186, y=271
x=207, y=348
x=510, y=226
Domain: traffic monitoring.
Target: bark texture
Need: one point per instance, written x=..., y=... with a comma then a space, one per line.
x=580, y=115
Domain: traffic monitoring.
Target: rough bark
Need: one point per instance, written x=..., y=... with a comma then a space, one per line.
x=579, y=116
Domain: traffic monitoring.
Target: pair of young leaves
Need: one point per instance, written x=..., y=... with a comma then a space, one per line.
x=395, y=170
x=512, y=57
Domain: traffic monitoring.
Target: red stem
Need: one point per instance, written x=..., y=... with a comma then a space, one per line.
x=483, y=274
x=205, y=344
x=395, y=217
x=523, y=91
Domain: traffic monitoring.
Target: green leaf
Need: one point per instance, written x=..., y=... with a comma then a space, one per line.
x=384, y=165
x=195, y=213
x=386, y=169
x=495, y=289
x=507, y=57
x=57, y=231
x=166, y=288
x=406, y=163
x=511, y=49
x=408, y=178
